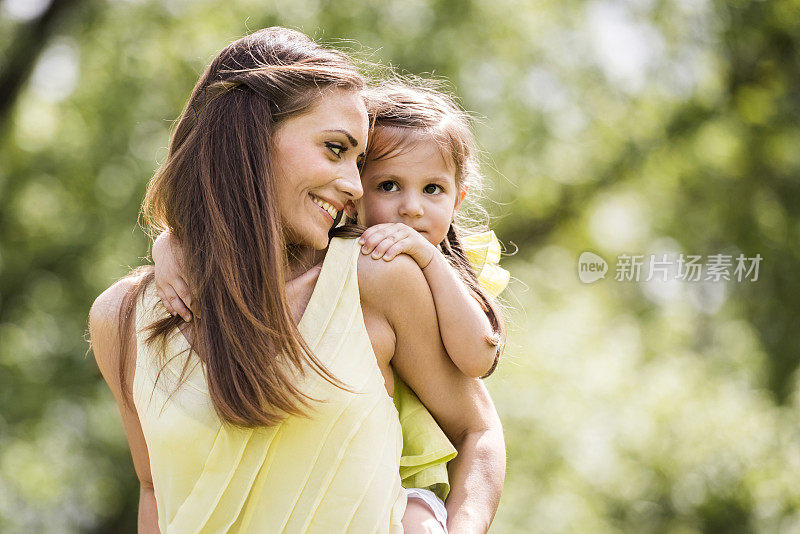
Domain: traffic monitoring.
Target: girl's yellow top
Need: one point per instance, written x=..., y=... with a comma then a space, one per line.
x=426, y=449
x=336, y=471
x=483, y=252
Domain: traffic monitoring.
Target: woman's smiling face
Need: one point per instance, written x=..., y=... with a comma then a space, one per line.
x=414, y=185
x=315, y=157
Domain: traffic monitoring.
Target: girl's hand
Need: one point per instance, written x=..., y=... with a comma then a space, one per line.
x=170, y=285
x=387, y=240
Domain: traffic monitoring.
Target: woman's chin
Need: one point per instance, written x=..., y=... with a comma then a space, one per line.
x=313, y=244
x=322, y=244
x=317, y=241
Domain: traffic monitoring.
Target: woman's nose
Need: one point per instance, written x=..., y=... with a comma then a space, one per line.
x=350, y=183
x=411, y=206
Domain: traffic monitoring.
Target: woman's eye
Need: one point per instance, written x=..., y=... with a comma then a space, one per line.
x=388, y=186
x=335, y=148
x=432, y=189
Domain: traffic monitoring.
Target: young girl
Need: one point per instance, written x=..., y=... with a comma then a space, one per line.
x=419, y=165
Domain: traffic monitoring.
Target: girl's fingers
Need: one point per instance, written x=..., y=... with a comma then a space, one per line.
x=384, y=245
x=176, y=304
x=399, y=233
x=368, y=232
x=183, y=293
x=372, y=242
x=375, y=234
x=371, y=238
x=395, y=249
x=165, y=302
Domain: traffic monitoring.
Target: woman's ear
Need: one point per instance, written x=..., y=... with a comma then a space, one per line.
x=462, y=194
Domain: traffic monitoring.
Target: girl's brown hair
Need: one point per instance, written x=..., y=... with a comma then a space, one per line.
x=215, y=192
x=405, y=110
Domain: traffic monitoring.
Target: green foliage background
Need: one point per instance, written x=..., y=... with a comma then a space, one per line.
x=637, y=127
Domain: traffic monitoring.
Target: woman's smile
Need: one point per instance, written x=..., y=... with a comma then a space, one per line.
x=326, y=207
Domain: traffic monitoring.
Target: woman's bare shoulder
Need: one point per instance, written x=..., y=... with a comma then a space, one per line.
x=106, y=307
x=104, y=327
x=104, y=314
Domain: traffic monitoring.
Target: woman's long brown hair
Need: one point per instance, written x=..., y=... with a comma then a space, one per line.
x=405, y=110
x=216, y=194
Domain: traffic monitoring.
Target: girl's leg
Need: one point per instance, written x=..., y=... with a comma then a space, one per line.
x=425, y=513
x=419, y=519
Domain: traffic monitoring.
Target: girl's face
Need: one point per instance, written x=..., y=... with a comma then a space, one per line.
x=316, y=158
x=416, y=186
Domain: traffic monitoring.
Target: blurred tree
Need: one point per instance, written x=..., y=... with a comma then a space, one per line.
x=24, y=49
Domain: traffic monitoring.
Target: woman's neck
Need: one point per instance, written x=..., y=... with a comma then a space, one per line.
x=302, y=258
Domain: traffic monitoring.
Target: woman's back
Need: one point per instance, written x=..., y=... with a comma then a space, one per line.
x=334, y=471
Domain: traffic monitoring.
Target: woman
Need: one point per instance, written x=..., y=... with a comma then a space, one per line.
x=278, y=417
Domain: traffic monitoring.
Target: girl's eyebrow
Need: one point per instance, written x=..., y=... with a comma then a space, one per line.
x=347, y=134
x=383, y=176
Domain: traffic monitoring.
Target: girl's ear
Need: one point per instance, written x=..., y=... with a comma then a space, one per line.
x=461, y=196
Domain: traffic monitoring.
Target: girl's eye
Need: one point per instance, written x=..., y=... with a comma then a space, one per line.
x=432, y=189
x=336, y=148
x=388, y=186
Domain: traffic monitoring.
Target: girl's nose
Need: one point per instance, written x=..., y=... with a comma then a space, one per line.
x=411, y=207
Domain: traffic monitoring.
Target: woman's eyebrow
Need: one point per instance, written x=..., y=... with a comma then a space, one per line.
x=347, y=134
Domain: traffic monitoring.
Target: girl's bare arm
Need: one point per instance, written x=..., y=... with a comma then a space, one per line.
x=461, y=405
x=463, y=325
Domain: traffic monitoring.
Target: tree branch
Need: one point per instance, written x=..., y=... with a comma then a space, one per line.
x=21, y=55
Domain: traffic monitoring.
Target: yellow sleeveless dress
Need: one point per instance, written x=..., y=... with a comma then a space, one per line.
x=426, y=449
x=337, y=471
